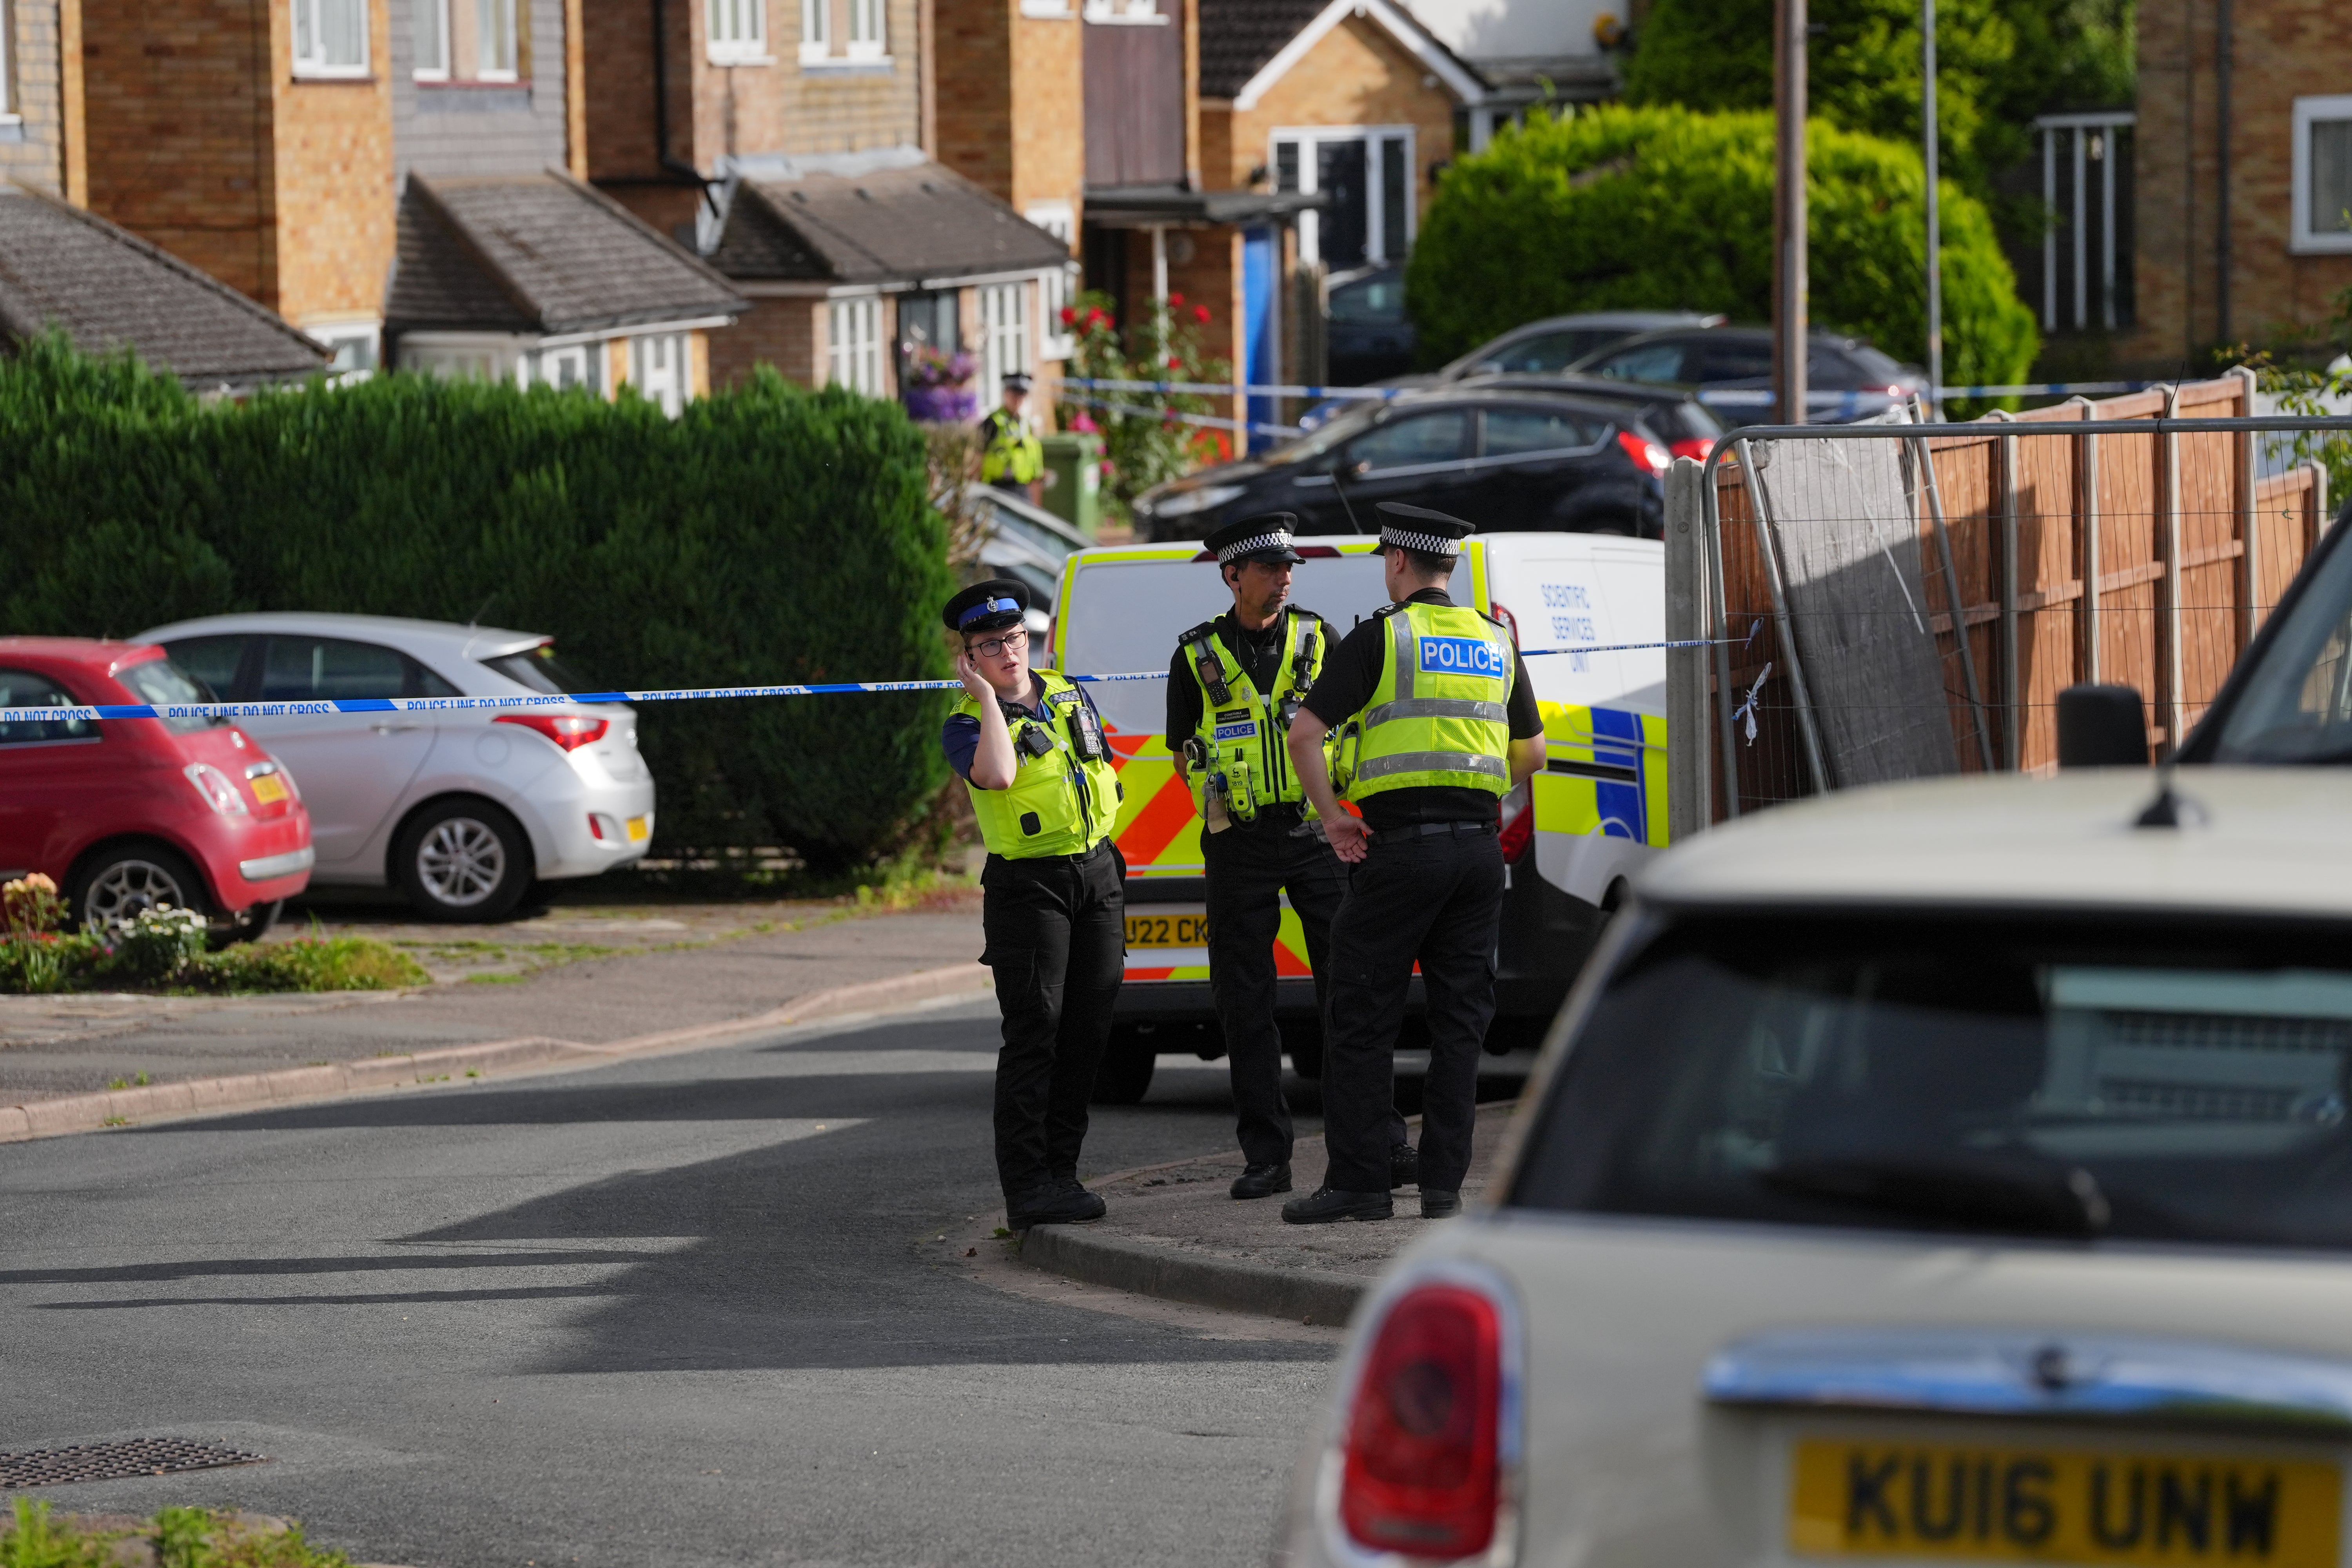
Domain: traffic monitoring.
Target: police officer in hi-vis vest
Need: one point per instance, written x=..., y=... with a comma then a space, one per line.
x=1233, y=688
x=1030, y=746
x=1437, y=723
x=1012, y=457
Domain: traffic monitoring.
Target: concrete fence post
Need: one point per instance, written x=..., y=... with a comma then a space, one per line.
x=1689, y=804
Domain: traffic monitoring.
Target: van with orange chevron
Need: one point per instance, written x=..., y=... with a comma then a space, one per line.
x=1572, y=836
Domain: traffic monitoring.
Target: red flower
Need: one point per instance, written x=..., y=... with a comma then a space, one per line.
x=1200, y=314
x=1069, y=316
x=1175, y=363
x=1175, y=298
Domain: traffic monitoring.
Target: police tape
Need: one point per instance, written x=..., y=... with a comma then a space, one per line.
x=322, y=706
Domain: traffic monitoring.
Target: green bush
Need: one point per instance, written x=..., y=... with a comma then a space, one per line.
x=1671, y=209
x=770, y=535
x=174, y=1538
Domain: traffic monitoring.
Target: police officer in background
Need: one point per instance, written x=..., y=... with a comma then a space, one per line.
x=1014, y=459
x=1233, y=688
x=1030, y=746
x=1447, y=725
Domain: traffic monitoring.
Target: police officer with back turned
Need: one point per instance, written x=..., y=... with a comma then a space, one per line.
x=1234, y=690
x=1437, y=723
x=1030, y=746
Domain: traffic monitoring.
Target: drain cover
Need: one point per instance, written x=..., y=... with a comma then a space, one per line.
x=114, y=1462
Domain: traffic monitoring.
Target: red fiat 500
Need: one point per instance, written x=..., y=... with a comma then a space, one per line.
x=126, y=813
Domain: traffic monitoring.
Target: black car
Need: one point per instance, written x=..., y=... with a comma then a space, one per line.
x=1505, y=453
x=1846, y=380
x=1369, y=336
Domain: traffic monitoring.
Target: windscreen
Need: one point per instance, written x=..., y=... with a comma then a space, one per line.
x=1126, y=615
x=2296, y=705
x=539, y=669
x=2099, y=1078
x=163, y=683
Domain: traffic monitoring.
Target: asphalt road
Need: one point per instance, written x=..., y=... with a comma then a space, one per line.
x=684, y=1311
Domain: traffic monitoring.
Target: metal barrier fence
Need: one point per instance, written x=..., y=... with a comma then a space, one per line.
x=1898, y=601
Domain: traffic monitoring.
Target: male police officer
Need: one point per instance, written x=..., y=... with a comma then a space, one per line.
x=1030, y=746
x=1448, y=725
x=1233, y=688
x=1014, y=459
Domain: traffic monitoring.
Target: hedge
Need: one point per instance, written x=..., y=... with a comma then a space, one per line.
x=770, y=534
x=1667, y=208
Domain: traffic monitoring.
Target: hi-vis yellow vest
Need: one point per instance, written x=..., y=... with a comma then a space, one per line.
x=1013, y=451
x=1058, y=804
x=1439, y=715
x=1244, y=728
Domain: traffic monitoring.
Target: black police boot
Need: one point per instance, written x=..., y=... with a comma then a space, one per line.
x=1263, y=1181
x=1330, y=1203
x=1404, y=1167
x=1436, y=1205
x=1050, y=1205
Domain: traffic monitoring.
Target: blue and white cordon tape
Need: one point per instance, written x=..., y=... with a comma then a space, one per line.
x=581, y=699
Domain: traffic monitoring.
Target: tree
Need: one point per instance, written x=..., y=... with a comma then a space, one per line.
x=1620, y=208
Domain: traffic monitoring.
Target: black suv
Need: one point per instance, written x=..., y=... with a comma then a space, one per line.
x=1505, y=453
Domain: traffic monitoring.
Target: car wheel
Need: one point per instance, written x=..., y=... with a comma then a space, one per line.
x=463, y=860
x=1124, y=1078
x=123, y=883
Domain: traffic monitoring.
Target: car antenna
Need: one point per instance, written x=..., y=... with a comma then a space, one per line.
x=475, y=618
x=2167, y=809
x=1335, y=485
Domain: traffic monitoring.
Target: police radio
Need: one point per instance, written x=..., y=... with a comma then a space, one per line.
x=1213, y=674
x=1086, y=734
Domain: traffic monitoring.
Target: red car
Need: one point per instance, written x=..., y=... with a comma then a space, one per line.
x=126, y=813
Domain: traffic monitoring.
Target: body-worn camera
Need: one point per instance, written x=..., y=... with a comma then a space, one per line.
x=1034, y=740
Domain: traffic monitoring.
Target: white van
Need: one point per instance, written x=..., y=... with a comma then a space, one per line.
x=1572, y=836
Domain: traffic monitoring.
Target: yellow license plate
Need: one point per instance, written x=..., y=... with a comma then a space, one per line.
x=639, y=826
x=2061, y=1505
x=1167, y=930
x=268, y=789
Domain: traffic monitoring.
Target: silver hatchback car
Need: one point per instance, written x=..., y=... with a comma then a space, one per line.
x=460, y=810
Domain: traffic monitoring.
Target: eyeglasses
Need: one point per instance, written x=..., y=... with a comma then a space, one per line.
x=994, y=646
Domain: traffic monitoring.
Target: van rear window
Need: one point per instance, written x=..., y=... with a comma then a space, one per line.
x=2052, y=1078
x=1126, y=615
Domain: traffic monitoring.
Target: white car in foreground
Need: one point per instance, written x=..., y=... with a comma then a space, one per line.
x=1954, y=1171
x=461, y=810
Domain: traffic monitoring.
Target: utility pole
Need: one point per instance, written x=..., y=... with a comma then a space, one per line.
x=1935, y=226
x=1789, y=306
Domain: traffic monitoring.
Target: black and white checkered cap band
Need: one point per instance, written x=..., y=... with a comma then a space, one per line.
x=1276, y=540
x=1427, y=543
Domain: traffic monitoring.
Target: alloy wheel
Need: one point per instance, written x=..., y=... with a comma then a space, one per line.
x=129, y=888
x=461, y=862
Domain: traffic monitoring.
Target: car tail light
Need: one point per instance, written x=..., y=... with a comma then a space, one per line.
x=1695, y=448
x=1423, y=1460
x=219, y=790
x=565, y=730
x=1518, y=821
x=1647, y=455
x=1510, y=622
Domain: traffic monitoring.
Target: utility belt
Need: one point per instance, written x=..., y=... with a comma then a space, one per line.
x=1077, y=858
x=1432, y=830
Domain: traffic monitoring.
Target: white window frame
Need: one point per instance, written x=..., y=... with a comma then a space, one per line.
x=309, y=41
x=669, y=385
x=870, y=31
x=1127, y=13
x=1059, y=219
x=1308, y=138
x=8, y=115
x=1047, y=10
x=492, y=42
x=436, y=12
x=736, y=32
x=2309, y=240
x=358, y=339
x=1005, y=340
x=816, y=31
x=853, y=344
x=546, y=367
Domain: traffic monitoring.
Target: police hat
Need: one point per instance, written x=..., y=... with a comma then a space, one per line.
x=1265, y=537
x=1417, y=528
x=1016, y=380
x=987, y=607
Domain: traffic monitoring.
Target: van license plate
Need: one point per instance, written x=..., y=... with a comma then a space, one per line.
x=1167, y=930
x=2061, y=1505
x=639, y=826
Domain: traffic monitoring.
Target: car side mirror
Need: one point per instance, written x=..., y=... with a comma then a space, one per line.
x=2102, y=727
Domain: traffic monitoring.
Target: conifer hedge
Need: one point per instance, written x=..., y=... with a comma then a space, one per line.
x=770, y=534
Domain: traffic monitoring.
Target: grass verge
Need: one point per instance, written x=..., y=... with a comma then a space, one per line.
x=174, y=1538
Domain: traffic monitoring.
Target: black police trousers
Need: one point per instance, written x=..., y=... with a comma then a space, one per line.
x=1438, y=897
x=1250, y=867
x=1056, y=932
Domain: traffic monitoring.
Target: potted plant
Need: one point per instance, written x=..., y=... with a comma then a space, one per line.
x=938, y=386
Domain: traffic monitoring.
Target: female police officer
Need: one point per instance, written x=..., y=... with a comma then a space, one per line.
x=1030, y=745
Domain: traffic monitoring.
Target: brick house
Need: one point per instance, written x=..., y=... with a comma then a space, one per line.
x=2241, y=231
x=273, y=146
x=791, y=142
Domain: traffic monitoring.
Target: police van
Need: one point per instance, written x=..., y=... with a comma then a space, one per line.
x=1572, y=836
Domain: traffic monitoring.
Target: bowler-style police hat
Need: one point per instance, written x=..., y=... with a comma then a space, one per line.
x=1265, y=537
x=987, y=607
x=1417, y=528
